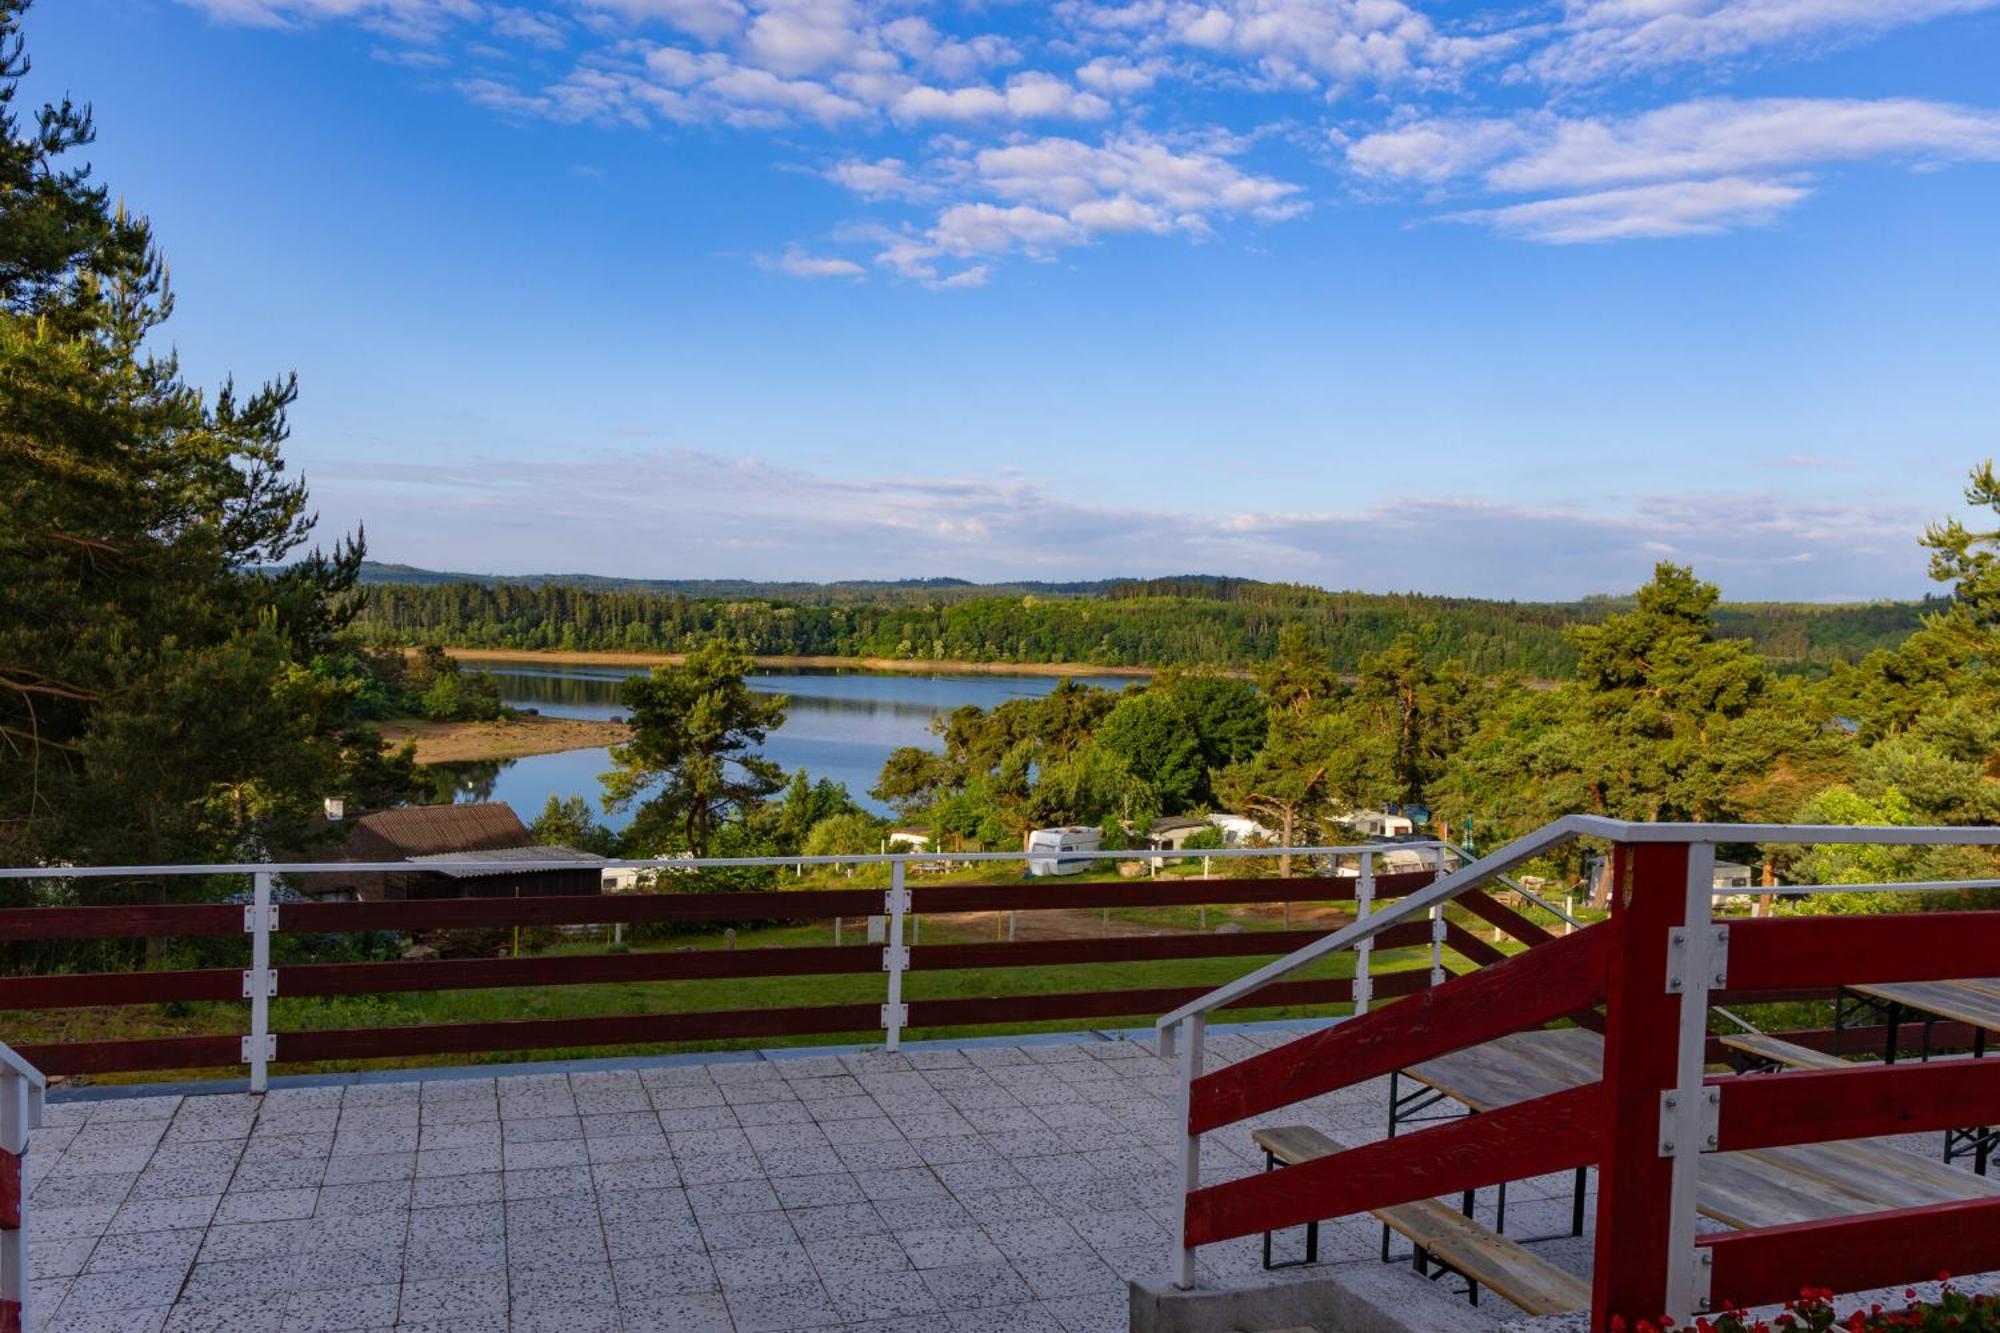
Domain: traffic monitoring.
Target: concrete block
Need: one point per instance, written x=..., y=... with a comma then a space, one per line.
x=1360, y=1299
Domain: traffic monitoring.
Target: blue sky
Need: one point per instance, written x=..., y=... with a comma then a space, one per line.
x=1506, y=300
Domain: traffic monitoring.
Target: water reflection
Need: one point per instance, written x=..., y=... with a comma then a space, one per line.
x=840, y=725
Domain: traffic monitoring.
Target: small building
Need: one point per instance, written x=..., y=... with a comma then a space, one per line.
x=1172, y=833
x=1241, y=830
x=909, y=840
x=506, y=872
x=1730, y=875
x=406, y=832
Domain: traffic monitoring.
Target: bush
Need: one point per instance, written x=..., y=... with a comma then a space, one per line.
x=1208, y=839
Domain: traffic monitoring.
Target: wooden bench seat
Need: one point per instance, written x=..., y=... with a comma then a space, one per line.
x=1481, y=1255
x=1784, y=1054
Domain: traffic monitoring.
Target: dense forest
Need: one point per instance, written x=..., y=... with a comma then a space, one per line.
x=1660, y=716
x=1195, y=621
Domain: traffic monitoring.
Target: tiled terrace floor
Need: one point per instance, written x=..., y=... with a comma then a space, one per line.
x=989, y=1187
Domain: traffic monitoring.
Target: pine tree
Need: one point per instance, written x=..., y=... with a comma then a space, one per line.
x=154, y=706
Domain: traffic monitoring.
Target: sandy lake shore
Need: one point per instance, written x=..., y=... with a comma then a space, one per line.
x=510, y=738
x=926, y=666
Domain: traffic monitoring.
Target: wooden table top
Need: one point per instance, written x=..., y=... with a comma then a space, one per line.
x=1761, y=1188
x=1975, y=1000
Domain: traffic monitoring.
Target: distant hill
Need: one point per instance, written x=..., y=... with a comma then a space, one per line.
x=1190, y=620
x=845, y=590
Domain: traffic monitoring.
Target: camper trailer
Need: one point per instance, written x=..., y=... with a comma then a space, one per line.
x=1044, y=843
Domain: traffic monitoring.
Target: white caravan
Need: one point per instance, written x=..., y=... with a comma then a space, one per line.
x=1044, y=843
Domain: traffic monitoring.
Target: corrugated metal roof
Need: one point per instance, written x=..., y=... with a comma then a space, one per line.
x=422, y=830
x=503, y=861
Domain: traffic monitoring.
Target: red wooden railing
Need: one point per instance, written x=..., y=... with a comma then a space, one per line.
x=378, y=978
x=21, y=1087
x=1655, y=967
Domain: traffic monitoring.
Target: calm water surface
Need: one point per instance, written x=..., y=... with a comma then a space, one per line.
x=841, y=725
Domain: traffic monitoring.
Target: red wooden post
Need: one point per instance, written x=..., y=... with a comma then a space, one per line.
x=1641, y=1042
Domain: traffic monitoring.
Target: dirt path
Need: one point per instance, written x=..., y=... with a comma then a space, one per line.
x=510, y=738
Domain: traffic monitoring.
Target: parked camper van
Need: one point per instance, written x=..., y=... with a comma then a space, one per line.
x=1073, y=838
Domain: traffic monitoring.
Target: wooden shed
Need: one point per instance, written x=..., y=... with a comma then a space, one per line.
x=410, y=831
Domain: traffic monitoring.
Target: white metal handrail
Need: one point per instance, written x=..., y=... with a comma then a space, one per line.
x=1435, y=894
x=1697, y=958
x=1568, y=829
x=1515, y=886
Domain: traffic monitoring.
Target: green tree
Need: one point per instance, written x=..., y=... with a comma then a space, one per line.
x=1298, y=676
x=1877, y=864
x=851, y=833
x=1091, y=786
x=1229, y=717
x=1663, y=718
x=1284, y=786
x=569, y=822
x=693, y=759
x=912, y=779
x=805, y=805
x=1152, y=738
x=1414, y=715
x=155, y=705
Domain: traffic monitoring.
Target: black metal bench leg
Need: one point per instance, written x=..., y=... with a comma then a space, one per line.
x=1982, y=1154
x=1576, y=1201
x=1271, y=1163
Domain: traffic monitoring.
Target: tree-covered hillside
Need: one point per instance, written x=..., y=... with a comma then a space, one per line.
x=1160, y=622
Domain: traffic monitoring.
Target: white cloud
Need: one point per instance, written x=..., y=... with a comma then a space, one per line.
x=1692, y=168
x=1432, y=152
x=1117, y=77
x=408, y=20
x=806, y=36
x=1029, y=96
x=1706, y=137
x=542, y=30
x=1718, y=136
x=876, y=76
x=1045, y=194
x=796, y=263
x=1601, y=39
x=962, y=104
x=749, y=518
x=1678, y=208
x=1066, y=173
x=708, y=20
x=1302, y=44
x=989, y=229
x=884, y=178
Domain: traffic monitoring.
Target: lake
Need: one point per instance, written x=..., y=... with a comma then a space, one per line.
x=841, y=725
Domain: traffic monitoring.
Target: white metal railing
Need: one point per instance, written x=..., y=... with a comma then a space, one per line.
x=21, y=1090
x=262, y=915
x=1697, y=962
